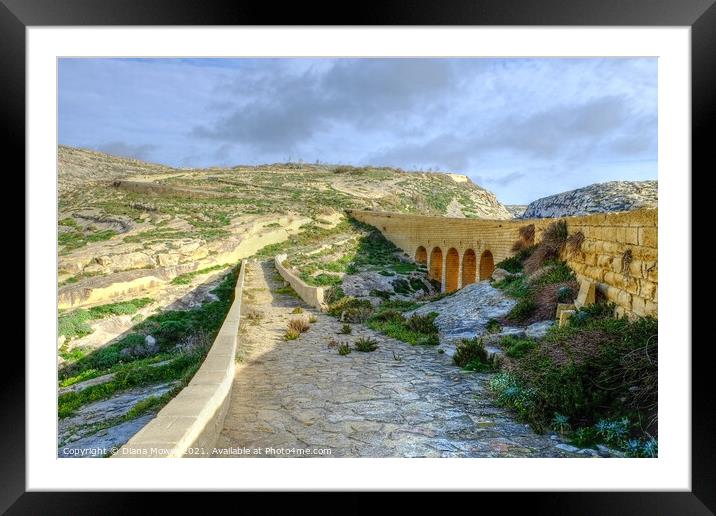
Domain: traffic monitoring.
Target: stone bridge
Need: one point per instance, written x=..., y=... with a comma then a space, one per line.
x=456, y=251
x=618, y=251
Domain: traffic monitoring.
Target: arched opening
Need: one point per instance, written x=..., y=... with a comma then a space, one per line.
x=487, y=265
x=436, y=265
x=469, y=267
x=452, y=270
x=421, y=255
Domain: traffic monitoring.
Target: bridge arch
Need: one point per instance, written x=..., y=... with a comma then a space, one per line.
x=436, y=264
x=421, y=255
x=469, y=267
x=487, y=265
x=452, y=270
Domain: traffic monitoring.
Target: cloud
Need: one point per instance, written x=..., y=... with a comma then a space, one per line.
x=521, y=127
x=506, y=180
x=142, y=151
x=286, y=109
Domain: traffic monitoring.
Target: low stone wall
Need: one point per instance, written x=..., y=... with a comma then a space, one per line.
x=619, y=251
x=313, y=296
x=189, y=425
x=162, y=189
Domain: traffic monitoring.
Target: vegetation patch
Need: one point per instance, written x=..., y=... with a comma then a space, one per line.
x=344, y=349
x=516, y=347
x=351, y=309
x=537, y=294
x=77, y=237
x=185, y=279
x=416, y=330
x=597, y=368
x=366, y=344
x=471, y=354
x=74, y=324
x=182, y=338
x=299, y=325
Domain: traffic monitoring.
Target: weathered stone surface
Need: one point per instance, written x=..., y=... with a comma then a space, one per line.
x=398, y=401
x=596, y=198
x=465, y=313
x=82, y=424
x=539, y=329
x=500, y=274
x=99, y=444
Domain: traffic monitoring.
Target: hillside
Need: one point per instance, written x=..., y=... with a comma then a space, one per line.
x=136, y=219
x=596, y=198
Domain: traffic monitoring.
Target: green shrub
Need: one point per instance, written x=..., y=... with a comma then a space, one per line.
x=565, y=294
x=388, y=315
x=512, y=264
x=516, y=347
x=346, y=329
x=75, y=323
x=366, y=344
x=560, y=423
x=291, y=334
x=381, y=294
x=515, y=286
x=422, y=323
x=344, y=349
x=599, y=369
x=401, y=286
x=584, y=437
x=333, y=294
x=297, y=310
x=351, y=309
x=493, y=326
x=522, y=310
x=557, y=272
x=470, y=352
x=417, y=330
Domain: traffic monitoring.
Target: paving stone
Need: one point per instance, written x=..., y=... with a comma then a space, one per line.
x=301, y=392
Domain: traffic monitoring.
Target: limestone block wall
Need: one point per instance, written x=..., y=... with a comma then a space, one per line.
x=620, y=255
x=189, y=425
x=618, y=252
x=313, y=296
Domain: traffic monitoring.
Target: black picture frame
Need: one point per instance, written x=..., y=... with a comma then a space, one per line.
x=700, y=15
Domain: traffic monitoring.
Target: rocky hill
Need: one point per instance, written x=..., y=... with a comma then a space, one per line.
x=127, y=217
x=516, y=210
x=596, y=198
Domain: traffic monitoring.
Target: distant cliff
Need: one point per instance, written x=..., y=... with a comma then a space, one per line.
x=596, y=198
x=516, y=210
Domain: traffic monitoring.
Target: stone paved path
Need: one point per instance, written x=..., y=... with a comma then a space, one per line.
x=398, y=401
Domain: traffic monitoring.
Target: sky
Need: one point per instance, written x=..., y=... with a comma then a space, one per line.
x=523, y=128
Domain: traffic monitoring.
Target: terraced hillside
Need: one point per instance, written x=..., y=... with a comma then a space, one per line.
x=123, y=216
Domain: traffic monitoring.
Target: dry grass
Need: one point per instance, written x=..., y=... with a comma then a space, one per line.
x=574, y=242
x=299, y=324
x=553, y=241
x=627, y=258
x=527, y=238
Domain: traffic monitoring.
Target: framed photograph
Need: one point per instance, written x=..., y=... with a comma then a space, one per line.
x=420, y=245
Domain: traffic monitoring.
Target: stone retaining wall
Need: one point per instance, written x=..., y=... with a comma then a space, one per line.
x=313, y=296
x=619, y=251
x=189, y=425
x=147, y=187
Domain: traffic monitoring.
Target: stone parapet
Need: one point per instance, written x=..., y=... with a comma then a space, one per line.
x=189, y=425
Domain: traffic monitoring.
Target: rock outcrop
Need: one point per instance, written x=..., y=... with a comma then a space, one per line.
x=516, y=210
x=596, y=198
